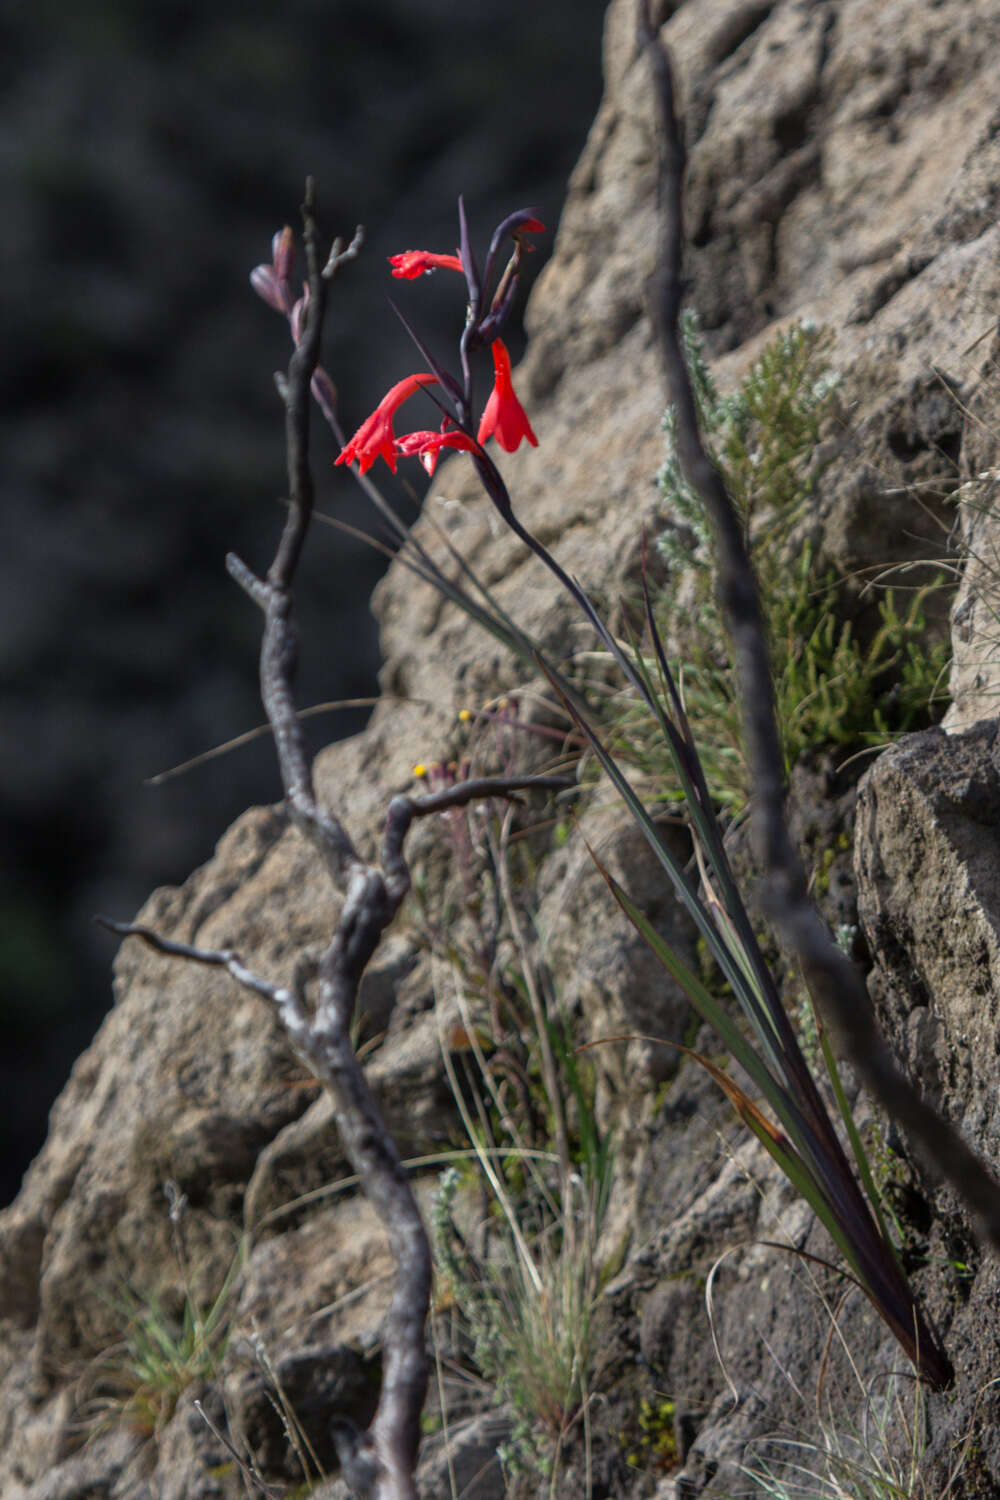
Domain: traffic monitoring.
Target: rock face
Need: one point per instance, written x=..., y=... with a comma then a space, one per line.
x=929, y=885
x=844, y=166
x=975, y=614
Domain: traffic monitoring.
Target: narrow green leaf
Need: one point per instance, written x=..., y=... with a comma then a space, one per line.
x=745, y=994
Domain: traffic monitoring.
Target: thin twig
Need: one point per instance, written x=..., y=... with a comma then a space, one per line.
x=324, y=1042
x=252, y=1475
x=249, y=735
x=223, y=958
x=339, y=256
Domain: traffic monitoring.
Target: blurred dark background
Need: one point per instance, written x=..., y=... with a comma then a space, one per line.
x=149, y=150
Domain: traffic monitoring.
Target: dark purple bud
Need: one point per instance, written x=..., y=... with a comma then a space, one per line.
x=492, y=325
x=524, y=221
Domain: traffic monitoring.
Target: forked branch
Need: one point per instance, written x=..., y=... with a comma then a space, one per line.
x=372, y=896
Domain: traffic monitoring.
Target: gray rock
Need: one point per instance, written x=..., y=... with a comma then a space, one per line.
x=466, y=1458
x=974, y=686
x=929, y=901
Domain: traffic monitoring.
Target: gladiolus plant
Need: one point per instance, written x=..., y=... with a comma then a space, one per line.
x=488, y=310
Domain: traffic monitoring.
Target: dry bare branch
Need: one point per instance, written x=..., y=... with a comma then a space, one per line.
x=372, y=897
x=831, y=978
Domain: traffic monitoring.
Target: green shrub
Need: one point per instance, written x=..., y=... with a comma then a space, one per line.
x=832, y=687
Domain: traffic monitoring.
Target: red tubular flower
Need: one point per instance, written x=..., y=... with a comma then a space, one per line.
x=413, y=263
x=375, y=438
x=504, y=417
x=427, y=446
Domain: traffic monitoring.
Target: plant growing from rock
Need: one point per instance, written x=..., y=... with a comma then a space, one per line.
x=531, y=1307
x=654, y=1441
x=523, y=1274
x=869, y=1443
x=831, y=687
x=139, y=1380
x=526, y=1286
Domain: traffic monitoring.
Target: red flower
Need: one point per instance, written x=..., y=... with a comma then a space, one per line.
x=504, y=417
x=375, y=438
x=413, y=263
x=427, y=446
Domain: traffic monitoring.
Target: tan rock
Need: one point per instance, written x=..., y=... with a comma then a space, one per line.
x=843, y=166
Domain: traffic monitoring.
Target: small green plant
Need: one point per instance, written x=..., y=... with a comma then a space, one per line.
x=138, y=1381
x=160, y=1358
x=832, y=688
x=523, y=1284
x=762, y=436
